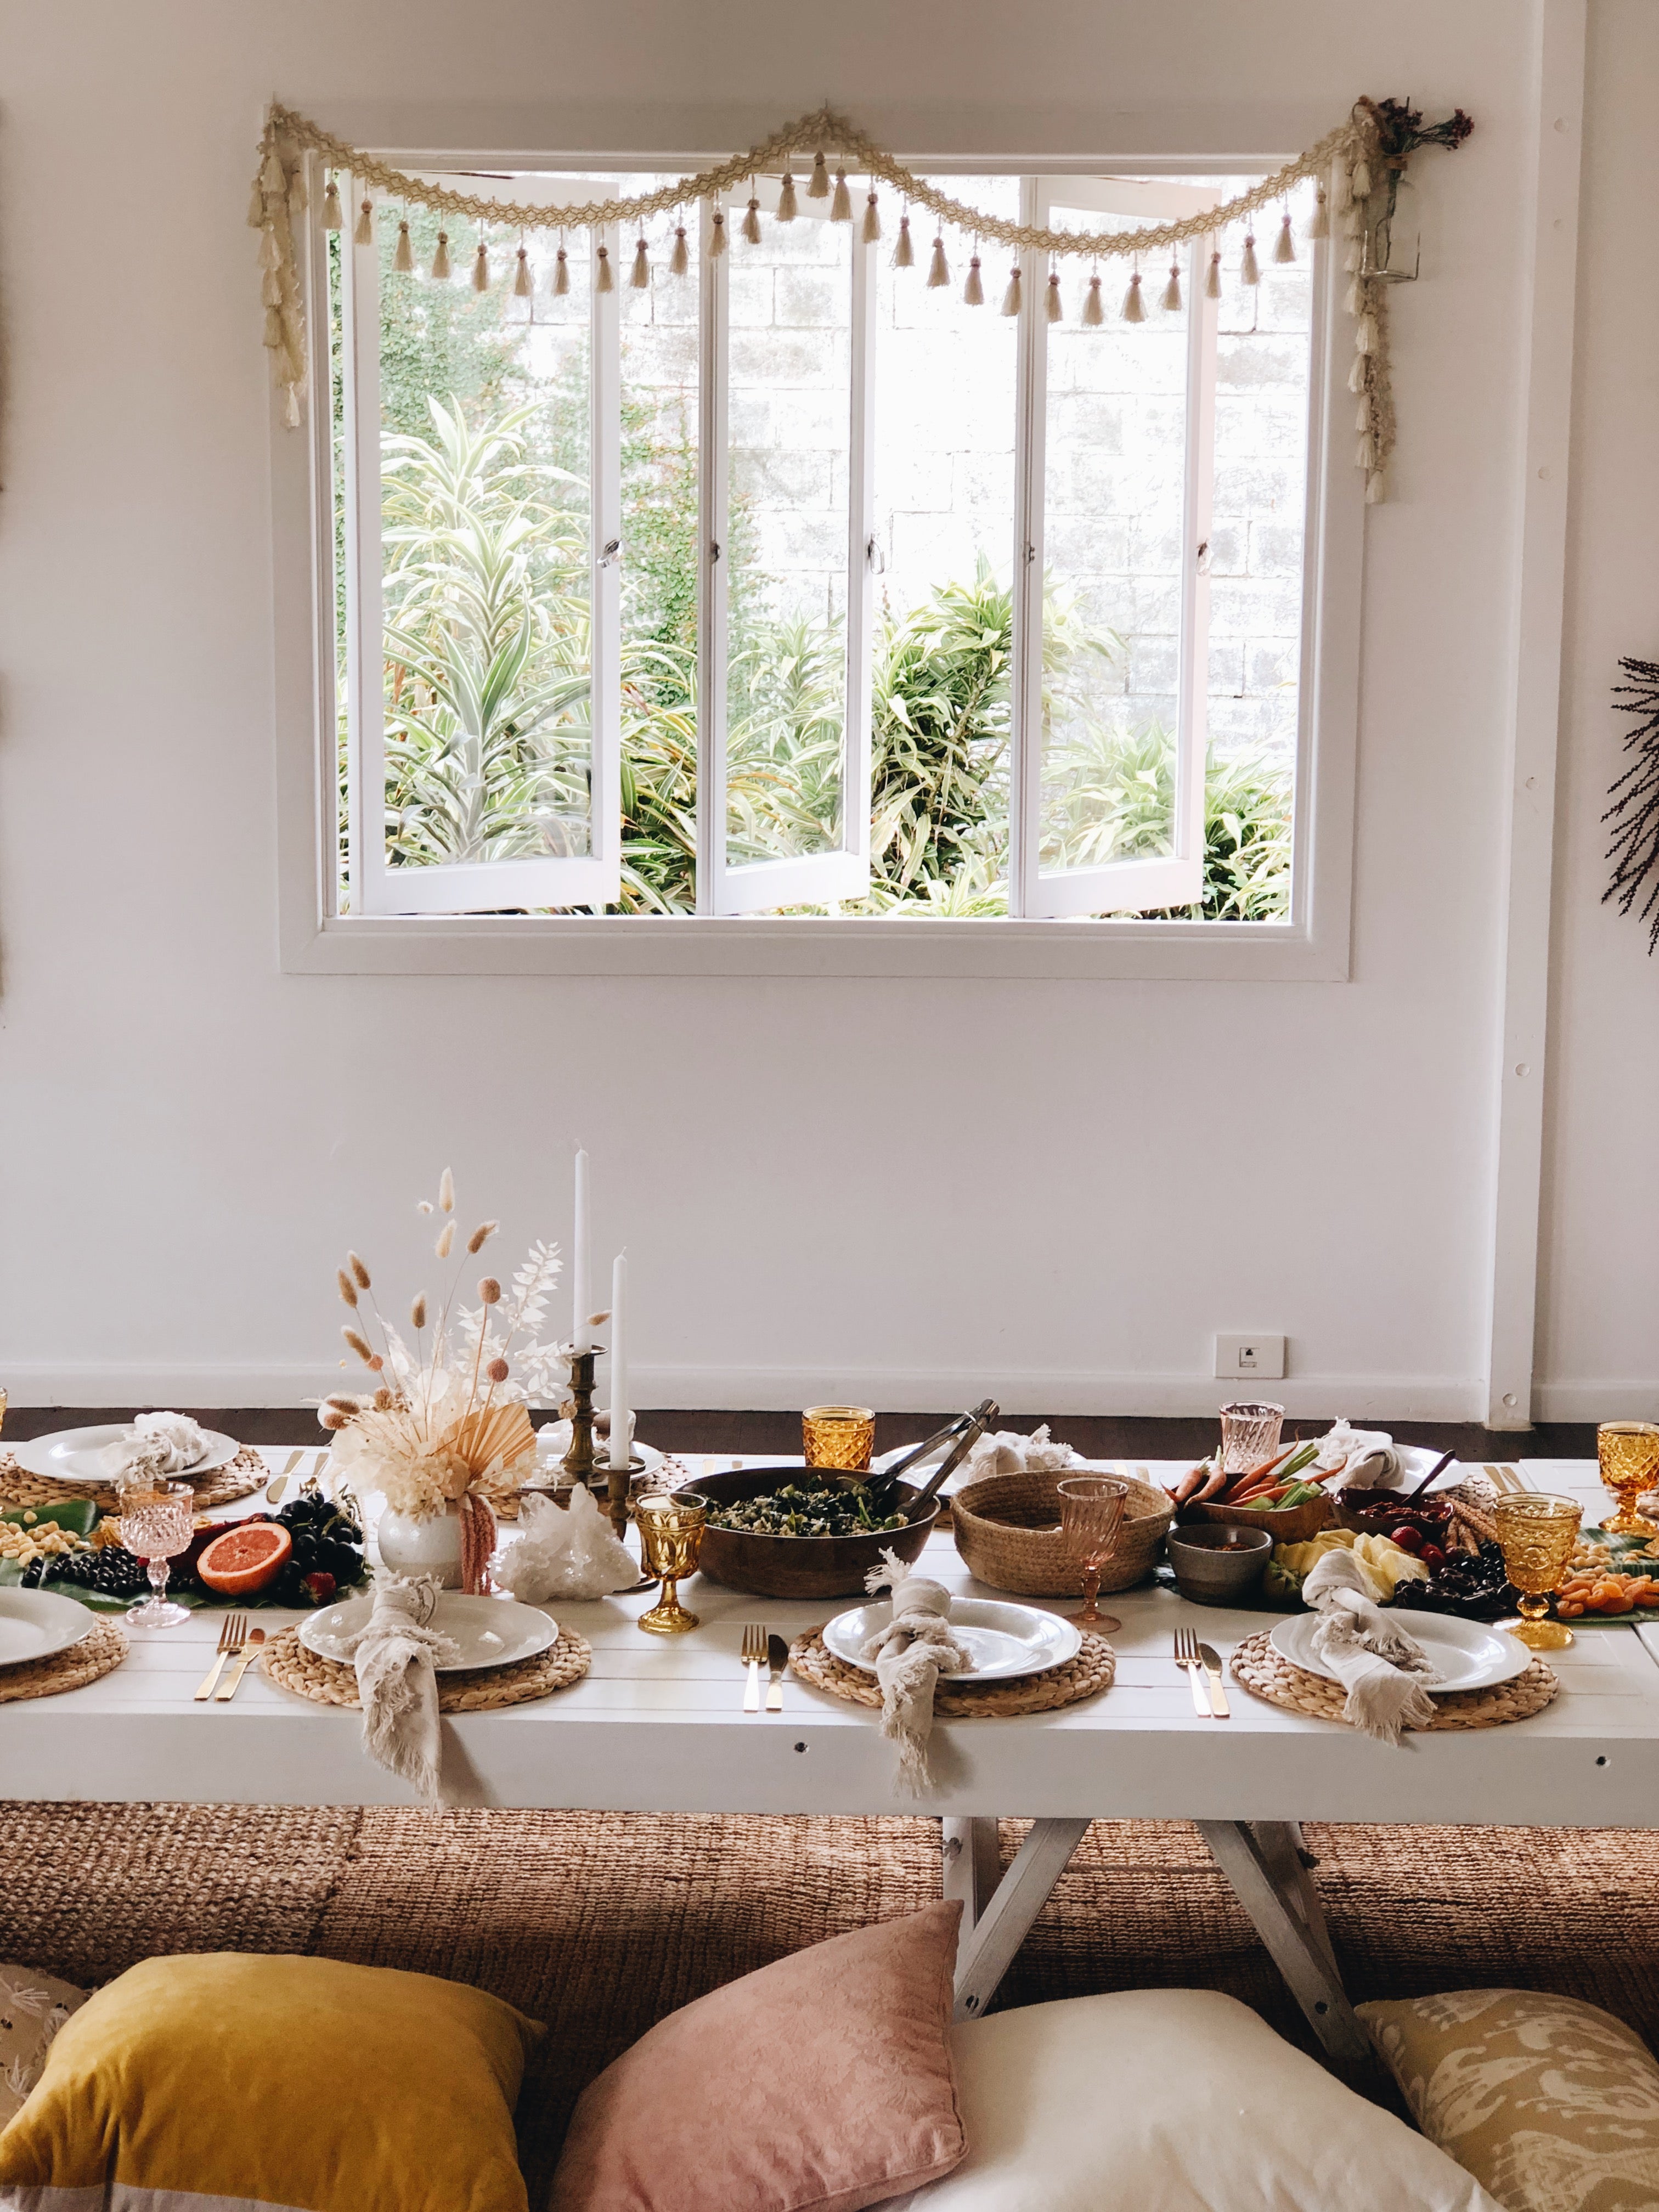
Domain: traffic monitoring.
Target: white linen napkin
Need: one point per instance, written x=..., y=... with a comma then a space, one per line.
x=908, y=1655
x=396, y=1680
x=1363, y=1456
x=1007, y=1452
x=565, y=1551
x=161, y=1443
x=1381, y=1668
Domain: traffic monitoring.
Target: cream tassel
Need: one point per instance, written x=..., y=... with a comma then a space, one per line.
x=256, y=207
x=1364, y=337
x=440, y=257
x=332, y=219
x=1319, y=225
x=1360, y=183
x=1353, y=259
x=1212, y=280
x=679, y=261
x=1365, y=453
x=973, y=291
x=274, y=338
x=270, y=254
x=1364, y=419
x=605, y=281
x=296, y=196
x=271, y=172
x=1134, y=307
x=1353, y=223
x=818, y=185
x=717, y=236
x=481, y=269
x=841, y=207
x=1353, y=299
x=1358, y=379
x=523, y=283
x=1373, y=486
x=1171, y=301
x=1284, y=244
x=1010, y=297
x=560, y=274
x=1344, y=189
x=939, y=269
x=404, y=259
x=1055, y=308
x=752, y=229
x=364, y=234
x=787, y=210
x=1248, y=269
x=639, y=277
x=270, y=290
x=872, y=220
x=904, y=253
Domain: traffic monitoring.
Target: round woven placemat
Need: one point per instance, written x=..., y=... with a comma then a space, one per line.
x=1266, y=1675
x=327, y=1682
x=238, y=1478
x=1092, y=1670
x=98, y=1653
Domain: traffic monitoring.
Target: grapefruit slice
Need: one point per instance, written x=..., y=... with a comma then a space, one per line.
x=245, y=1558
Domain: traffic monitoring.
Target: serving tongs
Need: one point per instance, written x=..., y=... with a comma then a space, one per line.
x=882, y=1490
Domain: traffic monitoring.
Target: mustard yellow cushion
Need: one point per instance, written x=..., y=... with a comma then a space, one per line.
x=1553, y=2105
x=299, y=2083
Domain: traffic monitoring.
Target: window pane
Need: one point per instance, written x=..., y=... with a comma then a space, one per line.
x=790, y=401
x=1114, y=472
x=485, y=527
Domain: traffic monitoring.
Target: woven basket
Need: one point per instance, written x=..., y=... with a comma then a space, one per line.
x=1008, y=1530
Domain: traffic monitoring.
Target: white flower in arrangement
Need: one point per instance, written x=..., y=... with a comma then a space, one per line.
x=447, y=1419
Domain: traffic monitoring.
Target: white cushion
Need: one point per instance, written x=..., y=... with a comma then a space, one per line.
x=33, y=2008
x=1172, y=2100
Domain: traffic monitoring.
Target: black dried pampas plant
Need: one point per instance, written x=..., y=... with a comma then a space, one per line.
x=1634, y=812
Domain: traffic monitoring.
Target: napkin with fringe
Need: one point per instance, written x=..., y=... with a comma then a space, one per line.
x=908, y=1655
x=1007, y=1452
x=1381, y=1668
x=397, y=1681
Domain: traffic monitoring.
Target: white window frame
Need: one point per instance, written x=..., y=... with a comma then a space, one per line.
x=1312, y=944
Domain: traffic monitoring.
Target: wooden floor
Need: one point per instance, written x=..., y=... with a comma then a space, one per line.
x=700, y=1430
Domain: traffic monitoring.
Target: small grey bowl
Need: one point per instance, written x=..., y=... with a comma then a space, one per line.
x=1216, y=1563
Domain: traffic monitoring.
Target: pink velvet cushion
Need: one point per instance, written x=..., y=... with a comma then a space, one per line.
x=821, y=2083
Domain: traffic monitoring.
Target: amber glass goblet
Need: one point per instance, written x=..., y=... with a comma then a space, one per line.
x=1090, y=1514
x=671, y=1544
x=1629, y=1455
x=1538, y=1533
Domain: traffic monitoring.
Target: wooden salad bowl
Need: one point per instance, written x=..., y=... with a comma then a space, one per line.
x=798, y=1566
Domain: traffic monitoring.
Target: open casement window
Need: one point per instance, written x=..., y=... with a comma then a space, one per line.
x=788, y=493
x=1114, y=497
x=483, y=737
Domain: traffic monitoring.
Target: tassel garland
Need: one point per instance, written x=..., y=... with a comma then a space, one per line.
x=332, y=219
x=787, y=210
x=1365, y=454
x=872, y=220
x=817, y=186
x=752, y=229
x=364, y=234
x=1212, y=280
x=1247, y=268
x=1358, y=380
x=270, y=290
x=1284, y=244
x=402, y=259
x=679, y=261
x=639, y=277
x=440, y=257
x=1320, y=224
x=1360, y=183
x=1134, y=307
x=256, y=207
x=840, y=206
x=1054, y=309
x=939, y=269
x=605, y=281
x=523, y=283
x=904, y=253
x=1171, y=301
x=1094, y=314
x=973, y=292
x=560, y=274
x=717, y=236
x=1364, y=337
x=1010, y=297
x=481, y=268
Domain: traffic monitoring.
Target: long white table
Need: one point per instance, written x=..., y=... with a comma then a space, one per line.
x=658, y=1725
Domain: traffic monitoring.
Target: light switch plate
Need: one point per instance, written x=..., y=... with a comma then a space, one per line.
x=1250, y=1359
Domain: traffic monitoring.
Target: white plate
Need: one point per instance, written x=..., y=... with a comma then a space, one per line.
x=1005, y=1640
x=1468, y=1654
x=33, y=1624
x=491, y=1632
x=76, y=1455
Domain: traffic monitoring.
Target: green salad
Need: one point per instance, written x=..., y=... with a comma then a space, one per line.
x=796, y=1510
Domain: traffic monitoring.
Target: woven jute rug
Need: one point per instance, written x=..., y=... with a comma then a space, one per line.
x=238, y=1478
x=98, y=1653
x=1276, y=1682
x=1092, y=1670
x=327, y=1682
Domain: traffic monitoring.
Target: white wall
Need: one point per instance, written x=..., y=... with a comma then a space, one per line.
x=909, y=1191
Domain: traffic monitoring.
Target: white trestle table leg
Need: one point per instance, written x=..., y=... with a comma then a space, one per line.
x=973, y=1864
x=1264, y=1862
x=987, y=1950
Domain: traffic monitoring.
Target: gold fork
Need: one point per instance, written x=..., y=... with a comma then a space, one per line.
x=754, y=1651
x=1186, y=1656
x=233, y=1635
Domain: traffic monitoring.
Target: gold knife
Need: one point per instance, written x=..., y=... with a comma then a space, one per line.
x=1213, y=1682
x=227, y=1689
x=777, y=1658
x=278, y=1484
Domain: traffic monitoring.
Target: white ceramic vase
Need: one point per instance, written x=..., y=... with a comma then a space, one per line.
x=423, y=1544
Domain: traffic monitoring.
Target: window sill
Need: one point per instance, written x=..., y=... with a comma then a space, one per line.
x=994, y=951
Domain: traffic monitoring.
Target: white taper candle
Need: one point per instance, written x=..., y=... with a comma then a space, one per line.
x=581, y=1333
x=620, y=1440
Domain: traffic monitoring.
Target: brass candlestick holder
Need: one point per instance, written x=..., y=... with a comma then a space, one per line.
x=578, y=1462
x=618, y=1483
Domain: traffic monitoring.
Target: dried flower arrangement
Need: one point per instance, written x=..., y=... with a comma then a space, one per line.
x=446, y=1423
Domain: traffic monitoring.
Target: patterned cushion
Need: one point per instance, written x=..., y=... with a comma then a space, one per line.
x=1551, y=2104
x=33, y=2008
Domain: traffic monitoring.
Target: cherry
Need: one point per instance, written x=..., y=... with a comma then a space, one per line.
x=1433, y=1558
x=1409, y=1538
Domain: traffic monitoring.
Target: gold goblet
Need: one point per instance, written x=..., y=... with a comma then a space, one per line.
x=1092, y=1508
x=841, y=1437
x=1629, y=1456
x=670, y=1543
x=1537, y=1534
